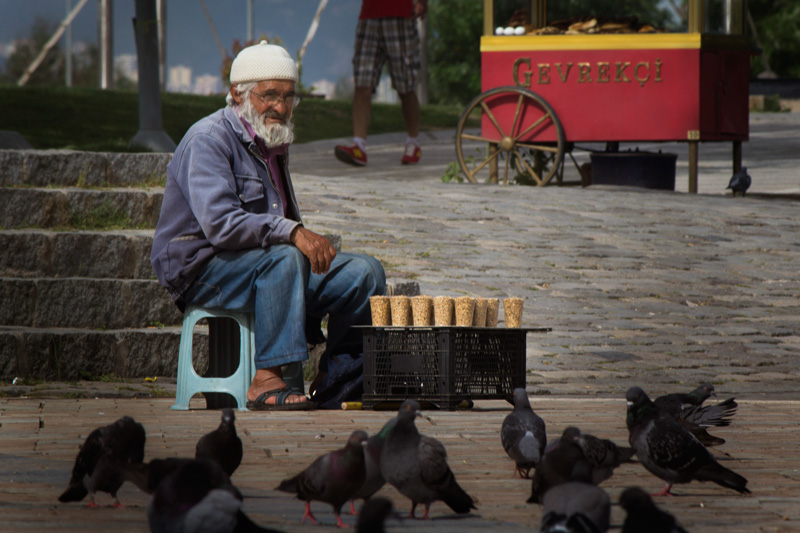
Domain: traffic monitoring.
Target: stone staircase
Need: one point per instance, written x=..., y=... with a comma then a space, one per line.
x=80, y=301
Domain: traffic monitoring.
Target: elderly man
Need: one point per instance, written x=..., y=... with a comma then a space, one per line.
x=230, y=234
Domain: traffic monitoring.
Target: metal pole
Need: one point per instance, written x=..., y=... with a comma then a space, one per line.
x=105, y=40
x=249, y=21
x=150, y=134
x=68, y=49
x=161, y=6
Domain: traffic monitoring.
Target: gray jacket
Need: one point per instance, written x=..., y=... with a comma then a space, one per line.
x=218, y=196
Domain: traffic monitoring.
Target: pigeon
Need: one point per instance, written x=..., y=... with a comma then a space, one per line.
x=740, y=182
x=332, y=478
x=523, y=435
x=147, y=476
x=373, y=514
x=562, y=456
x=372, y=461
x=644, y=516
x=669, y=451
x=577, y=506
x=222, y=445
x=688, y=410
x=198, y=496
x=97, y=465
x=603, y=455
x=416, y=465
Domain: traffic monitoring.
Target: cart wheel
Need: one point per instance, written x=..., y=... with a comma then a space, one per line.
x=519, y=117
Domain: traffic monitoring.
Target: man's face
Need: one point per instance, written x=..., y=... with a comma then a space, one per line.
x=268, y=109
x=274, y=100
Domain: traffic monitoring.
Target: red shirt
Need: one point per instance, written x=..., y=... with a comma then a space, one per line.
x=378, y=9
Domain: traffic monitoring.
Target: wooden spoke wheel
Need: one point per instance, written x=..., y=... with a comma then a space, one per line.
x=524, y=144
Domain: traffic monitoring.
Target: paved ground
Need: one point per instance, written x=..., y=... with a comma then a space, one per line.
x=660, y=289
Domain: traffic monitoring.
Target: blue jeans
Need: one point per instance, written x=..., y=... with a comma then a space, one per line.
x=277, y=285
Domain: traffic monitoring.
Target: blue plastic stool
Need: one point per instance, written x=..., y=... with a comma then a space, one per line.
x=190, y=383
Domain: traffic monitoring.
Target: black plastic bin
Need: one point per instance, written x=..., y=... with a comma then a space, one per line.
x=636, y=169
x=442, y=365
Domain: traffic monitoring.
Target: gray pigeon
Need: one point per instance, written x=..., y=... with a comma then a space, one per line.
x=603, y=455
x=97, y=465
x=333, y=478
x=523, y=435
x=576, y=506
x=416, y=465
x=689, y=411
x=644, y=516
x=222, y=445
x=374, y=513
x=669, y=451
x=147, y=476
x=563, y=456
x=740, y=182
x=195, y=497
x=372, y=460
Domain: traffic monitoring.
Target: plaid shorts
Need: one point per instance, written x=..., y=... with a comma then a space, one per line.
x=395, y=39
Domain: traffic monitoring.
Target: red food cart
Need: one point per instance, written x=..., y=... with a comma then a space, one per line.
x=543, y=91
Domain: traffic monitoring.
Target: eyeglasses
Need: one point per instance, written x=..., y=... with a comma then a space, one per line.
x=273, y=99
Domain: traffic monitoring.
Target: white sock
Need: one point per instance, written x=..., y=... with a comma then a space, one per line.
x=412, y=140
x=361, y=143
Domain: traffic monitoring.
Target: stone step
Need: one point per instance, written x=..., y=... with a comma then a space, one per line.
x=68, y=354
x=85, y=303
x=117, y=254
x=38, y=253
x=66, y=168
x=100, y=303
x=76, y=207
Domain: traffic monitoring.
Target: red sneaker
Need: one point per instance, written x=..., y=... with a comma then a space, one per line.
x=411, y=155
x=352, y=155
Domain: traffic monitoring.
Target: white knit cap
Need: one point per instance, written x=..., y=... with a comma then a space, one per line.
x=263, y=61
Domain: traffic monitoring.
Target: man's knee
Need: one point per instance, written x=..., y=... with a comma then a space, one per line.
x=368, y=270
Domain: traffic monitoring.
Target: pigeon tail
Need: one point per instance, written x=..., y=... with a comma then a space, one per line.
x=722, y=476
x=74, y=493
x=290, y=485
x=718, y=414
x=457, y=499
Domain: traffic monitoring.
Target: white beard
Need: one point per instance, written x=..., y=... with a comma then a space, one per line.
x=274, y=134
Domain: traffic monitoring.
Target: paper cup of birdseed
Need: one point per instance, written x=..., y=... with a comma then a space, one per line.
x=465, y=310
x=422, y=310
x=512, y=307
x=443, y=310
x=401, y=310
x=492, y=307
x=381, y=312
x=479, y=317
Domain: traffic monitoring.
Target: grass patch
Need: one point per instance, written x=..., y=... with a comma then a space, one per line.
x=105, y=121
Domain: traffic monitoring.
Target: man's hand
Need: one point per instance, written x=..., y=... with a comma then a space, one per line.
x=318, y=249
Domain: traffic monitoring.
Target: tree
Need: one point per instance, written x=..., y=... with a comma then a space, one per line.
x=51, y=70
x=454, y=59
x=777, y=24
x=85, y=59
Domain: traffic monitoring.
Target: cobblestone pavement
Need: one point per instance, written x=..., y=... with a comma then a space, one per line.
x=655, y=288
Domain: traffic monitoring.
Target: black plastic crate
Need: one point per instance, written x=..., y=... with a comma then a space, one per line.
x=442, y=365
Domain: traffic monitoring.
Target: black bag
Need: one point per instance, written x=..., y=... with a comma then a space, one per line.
x=344, y=382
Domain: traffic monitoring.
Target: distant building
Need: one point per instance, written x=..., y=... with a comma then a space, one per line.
x=207, y=84
x=179, y=79
x=324, y=87
x=126, y=67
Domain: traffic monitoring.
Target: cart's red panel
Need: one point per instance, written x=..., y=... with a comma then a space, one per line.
x=621, y=88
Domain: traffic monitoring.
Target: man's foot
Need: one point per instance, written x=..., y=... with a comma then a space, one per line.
x=352, y=155
x=411, y=155
x=270, y=380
